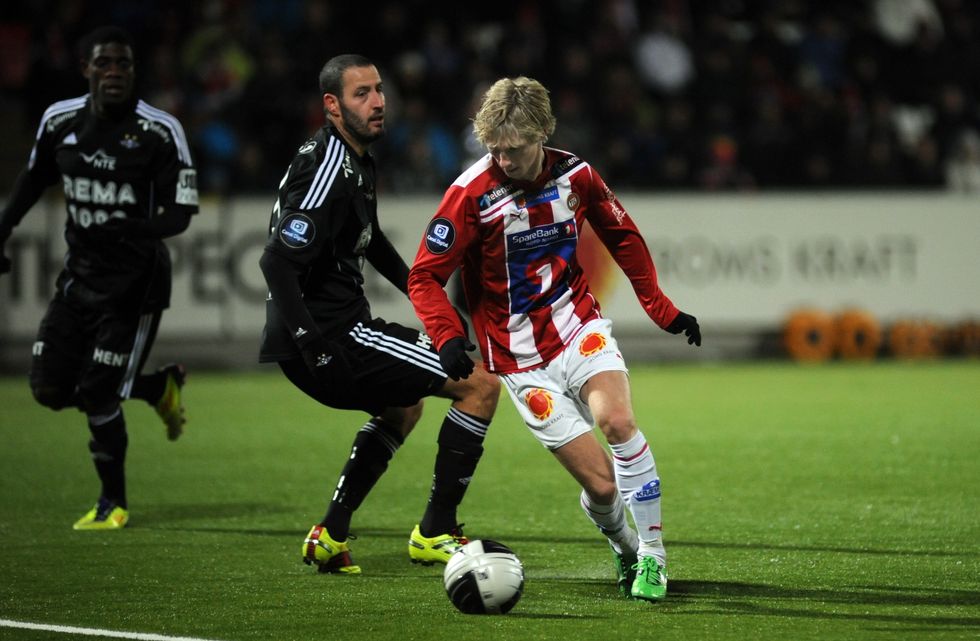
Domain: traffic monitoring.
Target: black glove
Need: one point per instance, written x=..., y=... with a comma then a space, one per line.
x=328, y=362
x=687, y=324
x=454, y=360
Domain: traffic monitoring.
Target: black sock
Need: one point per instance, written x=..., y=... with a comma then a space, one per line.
x=108, y=448
x=149, y=387
x=460, y=447
x=373, y=447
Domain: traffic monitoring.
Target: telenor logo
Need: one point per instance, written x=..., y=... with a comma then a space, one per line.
x=440, y=236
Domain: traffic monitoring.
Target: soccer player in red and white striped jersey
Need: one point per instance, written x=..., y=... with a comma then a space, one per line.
x=512, y=222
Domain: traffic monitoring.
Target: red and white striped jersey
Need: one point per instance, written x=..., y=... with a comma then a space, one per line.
x=516, y=244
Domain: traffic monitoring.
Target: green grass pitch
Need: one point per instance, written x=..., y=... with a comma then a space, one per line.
x=827, y=502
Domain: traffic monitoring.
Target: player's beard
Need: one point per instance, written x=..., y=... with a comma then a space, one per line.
x=358, y=127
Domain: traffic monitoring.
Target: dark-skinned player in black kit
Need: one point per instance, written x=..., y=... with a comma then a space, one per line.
x=129, y=182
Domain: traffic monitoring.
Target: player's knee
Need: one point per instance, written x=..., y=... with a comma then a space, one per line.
x=618, y=425
x=601, y=490
x=52, y=396
x=403, y=419
x=96, y=403
x=484, y=389
x=413, y=414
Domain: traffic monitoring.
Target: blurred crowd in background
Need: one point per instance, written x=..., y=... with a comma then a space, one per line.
x=657, y=94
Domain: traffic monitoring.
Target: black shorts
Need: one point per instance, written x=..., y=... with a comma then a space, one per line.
x=394, y=366
x=90, y=355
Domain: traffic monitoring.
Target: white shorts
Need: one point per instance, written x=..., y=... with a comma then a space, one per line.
x=547, y=398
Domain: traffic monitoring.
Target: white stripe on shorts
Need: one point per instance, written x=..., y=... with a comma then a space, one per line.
x=409, y=352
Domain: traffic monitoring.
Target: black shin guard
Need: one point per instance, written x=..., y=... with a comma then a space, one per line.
x=460, y=448
x=373, y=448
x=108, y=448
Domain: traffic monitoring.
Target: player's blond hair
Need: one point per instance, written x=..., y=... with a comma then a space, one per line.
x=514, y=110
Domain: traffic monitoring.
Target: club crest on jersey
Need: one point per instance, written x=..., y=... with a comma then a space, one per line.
x=440, y=236
x=592, y=344
x=129, y=141
x=297, y=231
x=572, y=201
x=307, y=148
x=540, y=403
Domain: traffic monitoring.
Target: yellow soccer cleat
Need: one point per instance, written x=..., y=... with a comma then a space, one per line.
x=437, y=549
x=106, y=515
x=328, y=555
x=169, y=407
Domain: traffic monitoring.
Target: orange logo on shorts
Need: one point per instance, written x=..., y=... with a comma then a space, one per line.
x=540, y=403
x=591, y=344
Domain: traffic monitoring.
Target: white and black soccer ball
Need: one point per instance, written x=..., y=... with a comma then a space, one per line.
x=484, y=577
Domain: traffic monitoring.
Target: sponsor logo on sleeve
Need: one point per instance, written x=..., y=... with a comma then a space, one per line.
x=186, y=187
x=440, y=236
x=308, y=147
x=297, y=231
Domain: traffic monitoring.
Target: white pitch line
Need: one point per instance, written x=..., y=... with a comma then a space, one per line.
x=95, y=632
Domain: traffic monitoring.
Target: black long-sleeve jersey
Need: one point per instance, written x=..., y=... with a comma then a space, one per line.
x=323, y=226
x=134, y=167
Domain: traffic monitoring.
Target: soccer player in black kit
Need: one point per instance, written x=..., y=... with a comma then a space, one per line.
x=129, y=182
x=320, y=330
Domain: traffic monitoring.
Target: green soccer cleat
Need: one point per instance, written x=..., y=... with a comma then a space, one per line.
x=328, y=555
x=106, y=515
x=437, y=549
x=169, y=407
x=625, y=572
x=650, y=583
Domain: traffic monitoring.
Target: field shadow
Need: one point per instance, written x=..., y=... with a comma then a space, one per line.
x=808, y=548
x=757, y=599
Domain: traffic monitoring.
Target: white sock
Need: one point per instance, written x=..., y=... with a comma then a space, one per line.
x=636, y=475
x=611, y=521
